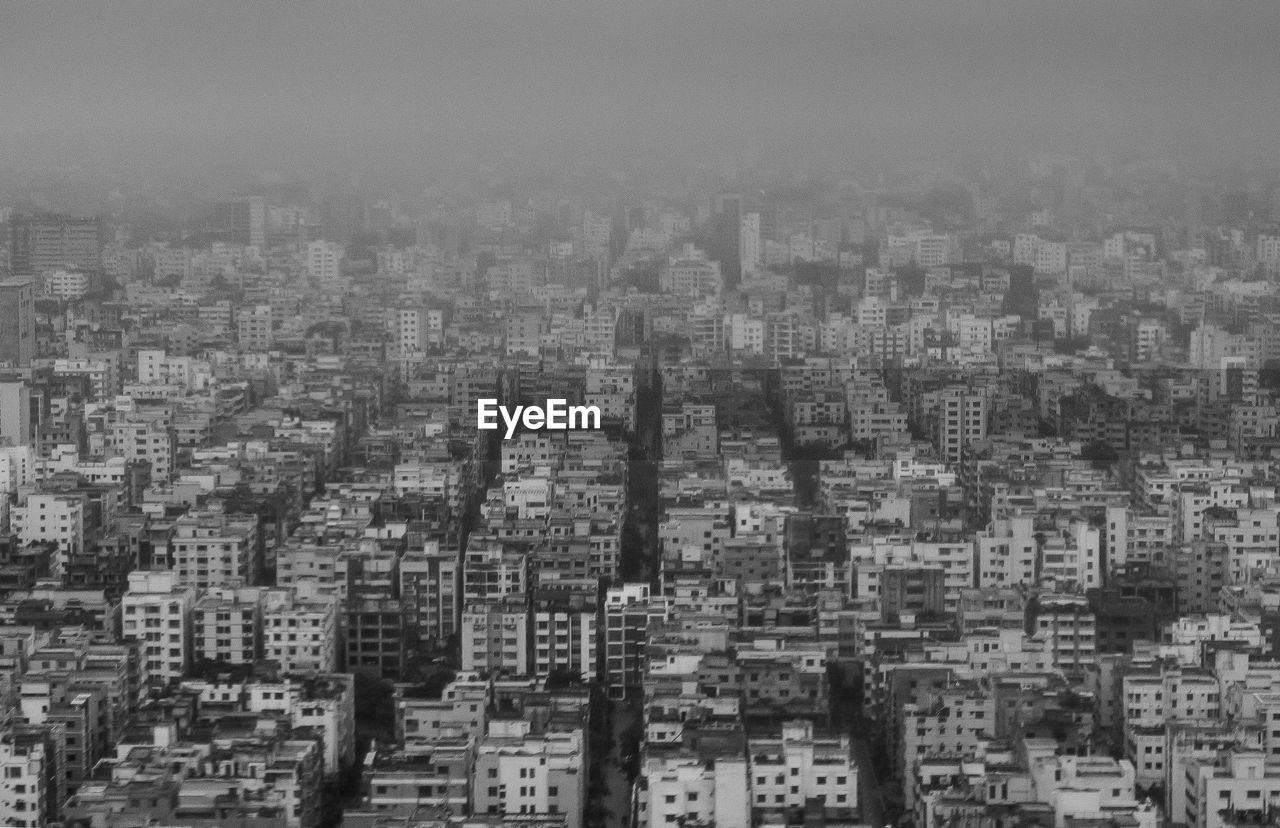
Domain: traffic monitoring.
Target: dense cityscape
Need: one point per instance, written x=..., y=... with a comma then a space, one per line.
x=757, y=484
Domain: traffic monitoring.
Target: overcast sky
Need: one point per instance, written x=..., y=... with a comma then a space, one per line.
x=316, y=78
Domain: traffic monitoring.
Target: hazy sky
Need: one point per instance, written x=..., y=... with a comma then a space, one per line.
x=309, y=79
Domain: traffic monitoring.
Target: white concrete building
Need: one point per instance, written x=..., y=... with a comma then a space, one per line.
x=157, y=613
x=688, y=272
x=149, y=443
x=750, y=251
x=495, y=635
x=1051, y=258
x=789, y=771
x=300, y=631
x=564, y=637
x=325, y=702
x=212, y=549
x=24, y=777
x=962, y=419
x=15, y=413
x=17, y=467
x=462, y=711
x=67, y=285
x=518, y=773
x=324, y=260
x=55, y=518
x=1234, y=781
x=227, y=625
x=687, y=787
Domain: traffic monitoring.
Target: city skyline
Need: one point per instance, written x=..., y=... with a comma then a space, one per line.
x=635, y=415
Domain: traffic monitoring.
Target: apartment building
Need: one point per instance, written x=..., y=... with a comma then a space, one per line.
x=402, y=781
x=462, y=711
x=430, y=580
x=55, y=518
x=324, y=702
x=157, y=613
x=227, y=625
x=300, y=631
x=24, y=781
x=564, y=632
x=496, y=635
x=210, y=549
x=628, y=611
x=688, y=786
x=798, y=767
x=517, y=773
x=375, y=643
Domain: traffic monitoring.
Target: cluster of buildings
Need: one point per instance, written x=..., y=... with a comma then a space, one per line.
x=946, y=515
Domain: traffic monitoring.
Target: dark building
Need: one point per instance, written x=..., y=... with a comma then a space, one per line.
x=816, y=552
x=17, y=323
x=48, y=241
x=816, y=535
x=243, y=220
x=1156, y=584
x=911, y=590
x=1121, y=620
x=725, y=237
x=1270, y=624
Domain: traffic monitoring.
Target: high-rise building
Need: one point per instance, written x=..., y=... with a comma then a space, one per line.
x=15, y=412
x=962, y=419
x=324, y=261
x=244, y=218
x=47, y=241
x=17, y=323
x=411, y=329
x=628, y=610
x=157, y=613
x=495, y=635
x=25, y=765
x=749, y=248
x=727, y=230
x=254, y=327
x=564, y=632
x=429, y=581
